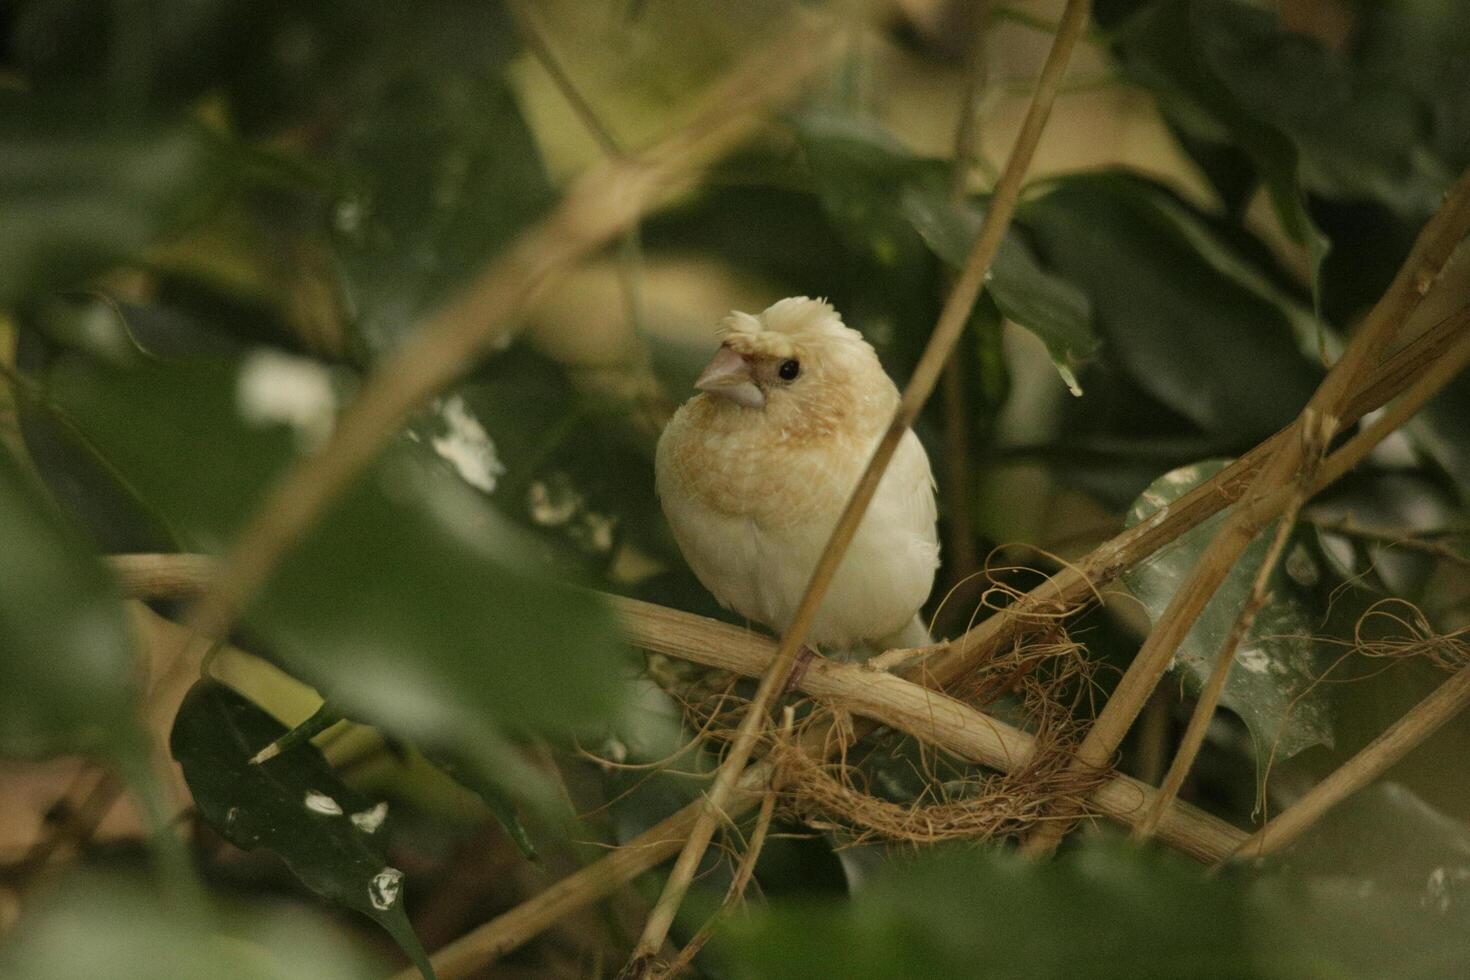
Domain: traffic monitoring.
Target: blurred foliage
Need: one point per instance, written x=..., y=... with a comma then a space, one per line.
x=67, y=665
x=216, y=217
x=1106, y=907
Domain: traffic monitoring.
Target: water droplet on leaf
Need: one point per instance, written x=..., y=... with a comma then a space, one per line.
x=384, y=888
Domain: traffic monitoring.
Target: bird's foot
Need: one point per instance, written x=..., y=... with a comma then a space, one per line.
x=798, y=670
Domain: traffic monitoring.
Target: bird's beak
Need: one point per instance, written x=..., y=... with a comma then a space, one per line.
x=728, y=376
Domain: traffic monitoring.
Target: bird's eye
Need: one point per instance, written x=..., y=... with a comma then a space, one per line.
x=789, y=370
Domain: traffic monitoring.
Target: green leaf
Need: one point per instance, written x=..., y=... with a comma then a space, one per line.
x=1109, y=910
x=890, y=205
x=123, y=929
x=500, y=801
x=294, y=805
x=1271, y=683
x=77, y=195
x=1193, y=324
x=1444, y=431
x=1400, y=910
x=1165, y=47
x=414, y=603
x=1047, y=305
x=1420, y=45
x=67, y=673
x=443, y=171
x=1355, y=135
x=1105, y=911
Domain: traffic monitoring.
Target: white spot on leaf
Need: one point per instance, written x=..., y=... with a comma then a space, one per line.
x=1253, y=660
x=281, y=389
x=322, y=803
x=1439, y=891
x=554, y=501
x=368, y=821
x=467, y=446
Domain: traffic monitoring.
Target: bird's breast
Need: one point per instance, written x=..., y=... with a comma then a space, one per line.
x=773, y=477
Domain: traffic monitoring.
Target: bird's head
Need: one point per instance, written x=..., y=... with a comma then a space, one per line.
x=796, y=358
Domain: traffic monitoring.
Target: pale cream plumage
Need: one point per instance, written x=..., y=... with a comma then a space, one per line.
x=754, y=472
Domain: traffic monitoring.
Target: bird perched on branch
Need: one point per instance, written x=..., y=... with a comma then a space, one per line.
x=754, y=472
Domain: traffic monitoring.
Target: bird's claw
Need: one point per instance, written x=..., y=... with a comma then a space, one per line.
x=798, y=670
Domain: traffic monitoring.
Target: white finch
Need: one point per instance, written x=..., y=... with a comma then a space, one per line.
x=754, y=472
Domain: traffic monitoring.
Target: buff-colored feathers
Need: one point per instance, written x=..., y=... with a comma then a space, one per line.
x=753, y=474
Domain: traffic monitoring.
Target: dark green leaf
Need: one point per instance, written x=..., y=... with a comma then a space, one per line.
x=1354, y=134
x=67, y=673
x=879, y=195
x=1053, y=309
x=294, y=805
x=492, y=792
x=1190, y=322
x=153, y=59
x=1271, y=684
x=1164, y=47
x=1420, y=45
x=76, y=196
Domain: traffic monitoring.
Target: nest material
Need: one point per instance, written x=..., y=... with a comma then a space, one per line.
x=1046, y=678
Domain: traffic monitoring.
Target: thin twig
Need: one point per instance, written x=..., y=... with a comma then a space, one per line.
x=630, y=246
x=535, y=40
x=1263, y=503
x=76, y=827
x=959, y=484
x=743, y=874
x=162, y=576
x=509, y=930
x=951, y=323
x=1209, y=696
x=1409, y=540
x=1426, y=718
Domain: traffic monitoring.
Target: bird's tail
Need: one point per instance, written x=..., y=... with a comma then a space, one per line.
x=915, y=634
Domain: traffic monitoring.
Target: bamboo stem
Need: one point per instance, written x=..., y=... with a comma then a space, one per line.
x=959, y=484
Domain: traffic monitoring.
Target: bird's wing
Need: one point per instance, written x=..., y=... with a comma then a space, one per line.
x=915, y=487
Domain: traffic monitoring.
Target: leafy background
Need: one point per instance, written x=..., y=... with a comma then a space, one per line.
x=195, y=197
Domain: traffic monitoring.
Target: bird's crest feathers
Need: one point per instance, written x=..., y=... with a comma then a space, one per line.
x=786, y=327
